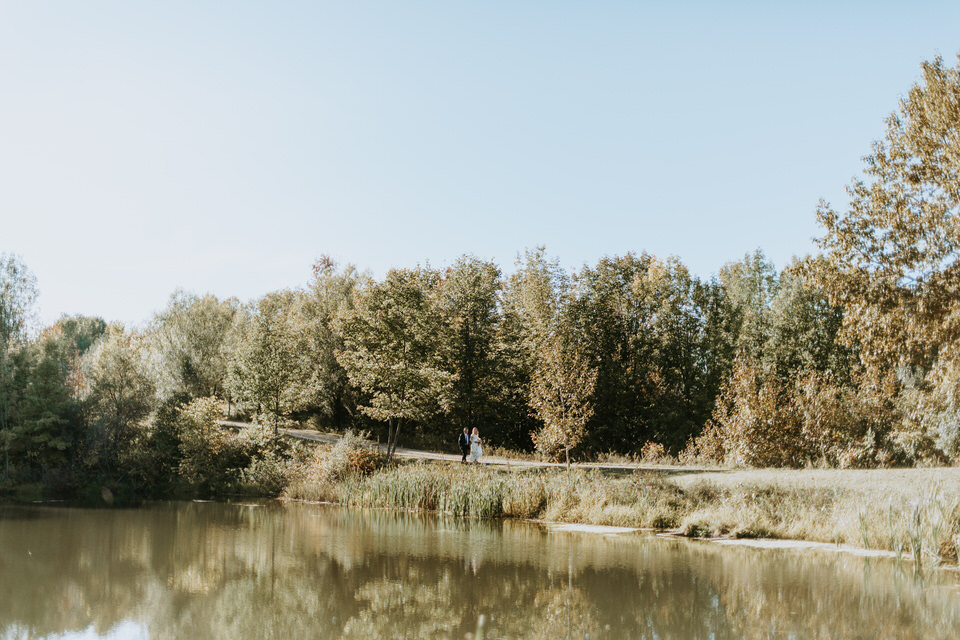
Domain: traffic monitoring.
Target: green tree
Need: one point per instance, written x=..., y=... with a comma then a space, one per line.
x=265, y=361
x=751, y=285
x=661, y=342
x=606, y=316
x=18, y=292
x=189, y=344
x=120, y=394
x=469, y=303
x=680, y=380
x=803, y=330
x=49, y=419
x=531, y=303
x=534, y=297
x=322, y=385
x=80, y=332
x=391, y=354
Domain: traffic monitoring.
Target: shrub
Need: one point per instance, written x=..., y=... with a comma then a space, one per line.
x=653, y=453
x=752, y=424
x=322, y=469
x=763, y=421
x=215, y=460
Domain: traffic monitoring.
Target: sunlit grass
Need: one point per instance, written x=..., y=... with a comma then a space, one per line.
x=912, y=512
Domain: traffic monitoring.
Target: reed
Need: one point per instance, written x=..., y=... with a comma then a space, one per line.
x=920, y=518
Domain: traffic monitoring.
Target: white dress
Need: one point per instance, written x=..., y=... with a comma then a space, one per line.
x=475, y=449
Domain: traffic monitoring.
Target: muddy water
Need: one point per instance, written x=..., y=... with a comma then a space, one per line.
x=286, y=570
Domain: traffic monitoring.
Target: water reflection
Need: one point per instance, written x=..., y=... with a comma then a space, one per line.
x=276, y=570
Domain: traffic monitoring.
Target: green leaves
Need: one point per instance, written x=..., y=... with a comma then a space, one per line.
x=265, y=362
x=392, y=354
x=189, y=342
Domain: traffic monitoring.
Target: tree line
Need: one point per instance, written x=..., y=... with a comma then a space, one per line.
x=844, y=358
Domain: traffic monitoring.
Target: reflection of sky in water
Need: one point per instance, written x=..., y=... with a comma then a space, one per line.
x=126, y=630
x=287, y=570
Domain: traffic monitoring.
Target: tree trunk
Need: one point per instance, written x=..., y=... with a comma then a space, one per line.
x=392, y=444
x=390, y=438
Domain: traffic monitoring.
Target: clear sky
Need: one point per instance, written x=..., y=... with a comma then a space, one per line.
x=223, y=146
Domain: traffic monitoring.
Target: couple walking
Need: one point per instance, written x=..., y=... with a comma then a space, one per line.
x=470, y=445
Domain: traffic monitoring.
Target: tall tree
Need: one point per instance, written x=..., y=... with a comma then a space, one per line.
x=18, y=292
x=892, y=260
x=681, y=382
x=189, y=343
x=265, y=361
x=560, y=396
x=606, y=316
x=534, y=296
x=48, y=425
x=469, y=301
x=751, y=284
x=391, y=354
x=803, y=329
x=532, y=301
x=120, y=393
x=322, y=387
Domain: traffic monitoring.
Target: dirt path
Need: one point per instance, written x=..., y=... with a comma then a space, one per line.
x=330, y=438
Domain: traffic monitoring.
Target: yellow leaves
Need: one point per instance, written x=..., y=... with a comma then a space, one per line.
x=889, y=260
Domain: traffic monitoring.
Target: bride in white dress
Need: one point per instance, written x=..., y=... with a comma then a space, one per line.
x=476, y=449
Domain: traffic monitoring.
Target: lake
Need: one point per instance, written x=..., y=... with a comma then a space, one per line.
x=274, y=569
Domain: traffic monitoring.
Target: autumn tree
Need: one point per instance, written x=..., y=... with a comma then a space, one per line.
x=560, y=396
x=891, y=259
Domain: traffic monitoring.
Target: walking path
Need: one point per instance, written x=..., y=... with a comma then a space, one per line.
x=332, y=438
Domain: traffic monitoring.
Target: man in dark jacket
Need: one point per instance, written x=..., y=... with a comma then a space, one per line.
x=464, y=443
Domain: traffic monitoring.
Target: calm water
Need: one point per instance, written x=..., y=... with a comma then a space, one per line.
x=283, y=570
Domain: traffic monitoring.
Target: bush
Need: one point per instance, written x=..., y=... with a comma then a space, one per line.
x=654, y=453
x=215, y=460
x=321, y=469
x=762, y=421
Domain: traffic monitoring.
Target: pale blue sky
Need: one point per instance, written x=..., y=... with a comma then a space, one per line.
x=222, y=146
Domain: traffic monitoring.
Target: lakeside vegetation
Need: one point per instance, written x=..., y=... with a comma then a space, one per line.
x=910, y=512
x=846, y=359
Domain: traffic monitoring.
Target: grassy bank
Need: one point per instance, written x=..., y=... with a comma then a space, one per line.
x=915, y=512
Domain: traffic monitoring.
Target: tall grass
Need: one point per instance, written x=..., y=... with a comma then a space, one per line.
x=927, y=527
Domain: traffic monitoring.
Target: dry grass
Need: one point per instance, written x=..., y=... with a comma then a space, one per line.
x=509, y=454
x=909, y=511
x=914, y=511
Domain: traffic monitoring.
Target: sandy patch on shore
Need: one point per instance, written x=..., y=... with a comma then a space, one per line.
x=590, y=528
x=768, y=543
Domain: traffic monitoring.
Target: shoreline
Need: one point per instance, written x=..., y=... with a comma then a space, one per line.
x=877, y=513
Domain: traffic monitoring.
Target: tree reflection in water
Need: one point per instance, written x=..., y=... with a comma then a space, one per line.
x=286, y=570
